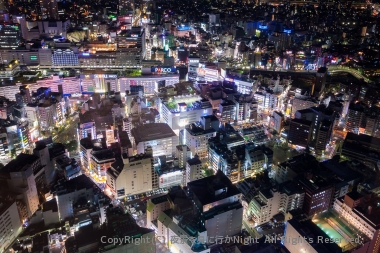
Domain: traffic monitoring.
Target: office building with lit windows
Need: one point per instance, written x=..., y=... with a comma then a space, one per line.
x=226, y=152
x=133, y=38
x=246, y=86
x=227, y=111
x=362, y=213
x=217, y=200
x=99, y=83
x=20, y=178
x=87, y=145
x=302, y=102
x=64, y=58
x=132, y=175
x=10, y=36
x=64, y=85
x=268, y=202
x=183, y=110
x=9, y=91
x=194, y=170
x=299, y=132
x=46, y=116
x=149, y=82
x=196, y=135
x=159, y=136
x=318, y=194
x=122, y=58
x=100, y=161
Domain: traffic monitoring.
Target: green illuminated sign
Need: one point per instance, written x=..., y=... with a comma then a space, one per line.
x=33, y=57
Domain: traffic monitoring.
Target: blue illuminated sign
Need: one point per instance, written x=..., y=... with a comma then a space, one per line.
x=86, y=54
x=263, y=27
x=287, y=31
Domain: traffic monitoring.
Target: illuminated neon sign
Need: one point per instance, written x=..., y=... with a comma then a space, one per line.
x=287, y=31
x=86, y=54
x=163, y=70
x=263, y=27
x=100, y=76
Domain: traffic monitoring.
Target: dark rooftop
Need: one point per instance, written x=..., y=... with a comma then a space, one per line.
x=290, y=188
x=206, y=189
x=362, y=138
x=354, y=195
x=181, y=147
x=75, y=184
x=194, y=161
x=152, y=131
x=50, y=206
x=19, y=163
x=4, y=205
x=103, y=155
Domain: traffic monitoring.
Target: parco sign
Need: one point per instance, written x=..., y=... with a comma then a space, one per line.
x=163, y=70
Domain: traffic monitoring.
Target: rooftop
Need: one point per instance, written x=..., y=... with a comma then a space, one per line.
x=182, y=147
x=50, y=205
x=370, y=210
x=290, y=188
x=87, y=143
x=311, y=232
x=316, y=184
x=139, y=157
x=120, y=225
x=152, y=131
x=103, y=155
x=4, y=205
x=206, y=189
x=19, y=163
x=197, y=129
x=332, y=225
x=363, y=139
x=75, y=184
x=194, y=161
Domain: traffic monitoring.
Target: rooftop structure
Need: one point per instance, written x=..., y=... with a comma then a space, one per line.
x=150, y=132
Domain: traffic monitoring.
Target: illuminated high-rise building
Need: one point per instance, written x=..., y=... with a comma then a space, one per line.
x=10, y=36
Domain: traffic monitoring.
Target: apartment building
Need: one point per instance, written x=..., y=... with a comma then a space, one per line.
x=196, y=135
x=68, y=193
x=269, y=202
x=194, y=169
x=132, y=175
x=10, y=224
x=154, y=208
x=20, y=177
x=159, y=136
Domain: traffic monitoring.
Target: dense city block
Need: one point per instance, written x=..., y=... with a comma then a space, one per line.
x=162, y=126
